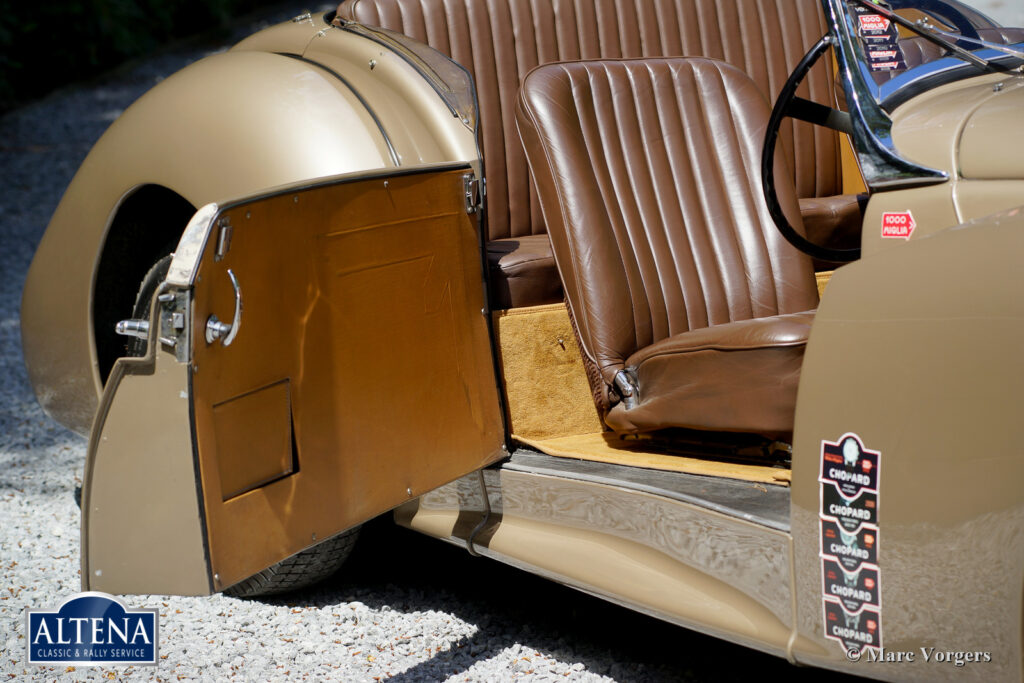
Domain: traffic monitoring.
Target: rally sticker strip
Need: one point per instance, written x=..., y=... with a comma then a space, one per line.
x=880, y=39
x=848, y=522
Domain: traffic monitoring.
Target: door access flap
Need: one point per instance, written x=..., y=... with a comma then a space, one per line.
x=341, y=364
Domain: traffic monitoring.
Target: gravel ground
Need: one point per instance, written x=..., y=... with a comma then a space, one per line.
x=405, y=607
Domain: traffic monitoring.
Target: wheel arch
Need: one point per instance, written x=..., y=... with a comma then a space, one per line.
x=145, y=227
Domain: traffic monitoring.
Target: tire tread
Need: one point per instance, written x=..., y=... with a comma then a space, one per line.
x=300, y=570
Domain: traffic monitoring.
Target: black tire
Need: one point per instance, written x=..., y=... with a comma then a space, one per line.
x=135, y=347
x=300, y=570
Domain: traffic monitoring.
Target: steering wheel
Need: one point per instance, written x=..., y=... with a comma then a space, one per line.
x=788, y=104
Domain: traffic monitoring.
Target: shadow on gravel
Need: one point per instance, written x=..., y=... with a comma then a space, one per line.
x=509, y=606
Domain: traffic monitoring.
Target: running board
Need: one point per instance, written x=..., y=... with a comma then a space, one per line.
x=759, y=503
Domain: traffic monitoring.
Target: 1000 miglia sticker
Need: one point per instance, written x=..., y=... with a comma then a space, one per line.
x=848, y=525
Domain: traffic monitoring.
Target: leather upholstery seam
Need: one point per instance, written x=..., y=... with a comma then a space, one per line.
x=720, y=347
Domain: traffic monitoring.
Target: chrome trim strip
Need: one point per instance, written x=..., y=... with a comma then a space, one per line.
x=763, y=504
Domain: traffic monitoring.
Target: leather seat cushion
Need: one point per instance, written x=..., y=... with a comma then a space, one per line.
x=740, y=376
x=523, y=272
x=833, y=221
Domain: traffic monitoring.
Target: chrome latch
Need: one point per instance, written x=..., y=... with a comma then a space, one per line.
x=625, y=384
x=226, y=332
x=223, y=239
x=171, y=307
x=475, y=190
x=133, y=328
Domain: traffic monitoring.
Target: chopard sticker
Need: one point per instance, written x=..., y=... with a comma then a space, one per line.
x=854, y=631
x=898, y=224
x=849, y=466
x=850, y=514
x=853, y=589
x=849, y=549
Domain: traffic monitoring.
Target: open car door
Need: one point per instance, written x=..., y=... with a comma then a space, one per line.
x=316, y=357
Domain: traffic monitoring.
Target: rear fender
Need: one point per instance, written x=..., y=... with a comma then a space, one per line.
x=230, y=125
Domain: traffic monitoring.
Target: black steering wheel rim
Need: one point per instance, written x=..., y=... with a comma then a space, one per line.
x=783, y=108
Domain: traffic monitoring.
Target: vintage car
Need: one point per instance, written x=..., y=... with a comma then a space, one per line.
x=543, y=278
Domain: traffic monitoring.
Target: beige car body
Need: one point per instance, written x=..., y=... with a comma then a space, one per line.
x=915, y=348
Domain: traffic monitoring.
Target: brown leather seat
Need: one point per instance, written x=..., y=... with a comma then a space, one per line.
x=682, y=290
x=500, y=41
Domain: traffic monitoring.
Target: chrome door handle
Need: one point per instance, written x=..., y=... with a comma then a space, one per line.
x=226, y=332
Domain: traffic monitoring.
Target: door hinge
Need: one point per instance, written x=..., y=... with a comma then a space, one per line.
x=476, y=190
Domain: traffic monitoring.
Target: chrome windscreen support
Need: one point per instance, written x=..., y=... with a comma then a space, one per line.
x=880, y=163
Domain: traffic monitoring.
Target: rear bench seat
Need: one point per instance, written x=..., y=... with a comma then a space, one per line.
x=500, y=41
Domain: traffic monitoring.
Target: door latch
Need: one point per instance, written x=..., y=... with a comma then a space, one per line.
x=171, y=321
